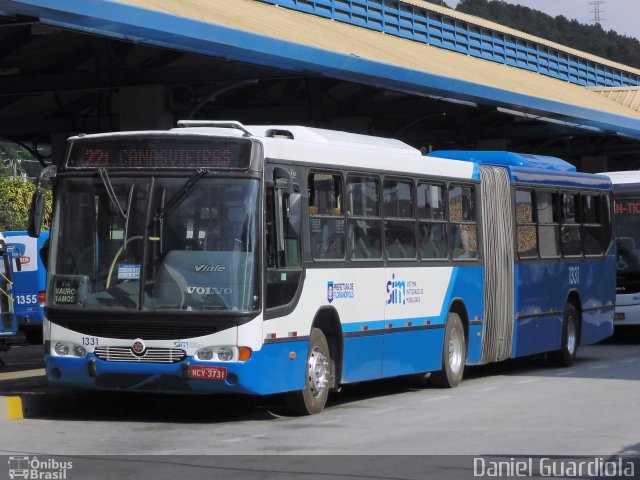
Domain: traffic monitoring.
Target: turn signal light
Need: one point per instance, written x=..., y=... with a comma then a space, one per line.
x=244, y=354
x=42, y=298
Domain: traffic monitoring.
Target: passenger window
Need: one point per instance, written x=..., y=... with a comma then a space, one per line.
x=326, y=217
x=365, y=223
x=463, y=226
x=592, y=228
x=548, y=223
x=432, y=236
x=605, y=221
x=570, y=231
x=526, y=233
x=399, y=223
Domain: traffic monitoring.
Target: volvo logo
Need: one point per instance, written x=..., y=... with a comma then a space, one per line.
x=138, y=348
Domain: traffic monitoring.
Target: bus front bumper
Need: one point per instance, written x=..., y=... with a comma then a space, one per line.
x=275, y=368
x=627, y=315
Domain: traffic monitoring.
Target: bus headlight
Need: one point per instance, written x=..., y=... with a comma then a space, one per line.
x=62, y=349
x=225, y=354
x=217, y=353
x=205, y=353
x=79, y=351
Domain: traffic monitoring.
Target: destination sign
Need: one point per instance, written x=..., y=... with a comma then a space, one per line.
x=184, y=152
x=628, y=207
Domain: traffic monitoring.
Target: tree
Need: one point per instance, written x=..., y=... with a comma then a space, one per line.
x=439, y=2
x=15, y=201
x=587, y=38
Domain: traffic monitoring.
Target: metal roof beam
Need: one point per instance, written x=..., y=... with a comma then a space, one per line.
x=52, y=82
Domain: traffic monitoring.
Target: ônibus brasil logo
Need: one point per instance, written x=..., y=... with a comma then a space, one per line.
x=33, y=468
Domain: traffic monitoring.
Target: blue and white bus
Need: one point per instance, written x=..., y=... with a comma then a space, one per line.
x=626, y=220
x=29, y=282
x=8, y=324
x=217, y=257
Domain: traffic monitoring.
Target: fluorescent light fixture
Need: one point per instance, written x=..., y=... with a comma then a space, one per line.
x=556, y=121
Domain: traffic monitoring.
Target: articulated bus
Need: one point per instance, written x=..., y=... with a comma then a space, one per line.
x=626, y=220
x=217, y=257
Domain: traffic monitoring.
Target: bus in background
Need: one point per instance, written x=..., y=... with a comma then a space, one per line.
x=626, y=216
x=29, y=282
x=8, y=323
x=218, y=257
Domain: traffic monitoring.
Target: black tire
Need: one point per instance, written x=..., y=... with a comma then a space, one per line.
x=570, y=338
x=317, y=383
x=454, y=354
x=33, y=335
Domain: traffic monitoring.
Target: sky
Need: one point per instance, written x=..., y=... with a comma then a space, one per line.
x=623, y=16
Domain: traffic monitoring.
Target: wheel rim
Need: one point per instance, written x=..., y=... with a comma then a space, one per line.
x=572, y=335
x=455, y=351
x=317, y=372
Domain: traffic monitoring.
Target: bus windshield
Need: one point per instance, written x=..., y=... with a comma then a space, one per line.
x=627, y=224
x=155, y=243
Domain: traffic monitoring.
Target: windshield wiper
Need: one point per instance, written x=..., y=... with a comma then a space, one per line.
x=180, y=195
x=111, y=192
x=108, y=186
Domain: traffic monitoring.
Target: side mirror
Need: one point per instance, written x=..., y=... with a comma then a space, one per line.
x=280, y=173
x=36, y=211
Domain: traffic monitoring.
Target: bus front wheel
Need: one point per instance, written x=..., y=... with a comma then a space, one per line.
x=313, y=397
x=570, y=338
x=454, y=354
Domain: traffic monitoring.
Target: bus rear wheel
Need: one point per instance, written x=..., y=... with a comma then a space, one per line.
x=570, y=338
x=454, y=354
x=313, y=397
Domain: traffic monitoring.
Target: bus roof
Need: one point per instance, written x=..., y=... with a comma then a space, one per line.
x=507, y=159
x=533, y=169
x=626, y=177
x=323, y=147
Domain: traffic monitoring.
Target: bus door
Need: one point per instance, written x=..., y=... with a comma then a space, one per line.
x=499, y=257
x=282, y=237
x=8, y=324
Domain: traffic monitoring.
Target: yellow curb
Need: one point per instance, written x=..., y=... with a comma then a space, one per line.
x=11, y=408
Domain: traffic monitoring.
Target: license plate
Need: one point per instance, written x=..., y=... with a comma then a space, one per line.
x=207, y=373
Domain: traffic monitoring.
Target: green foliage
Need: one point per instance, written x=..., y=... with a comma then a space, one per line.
x=587, y=38
x=15, y=200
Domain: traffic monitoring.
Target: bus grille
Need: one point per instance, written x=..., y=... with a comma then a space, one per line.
x=151, y=355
